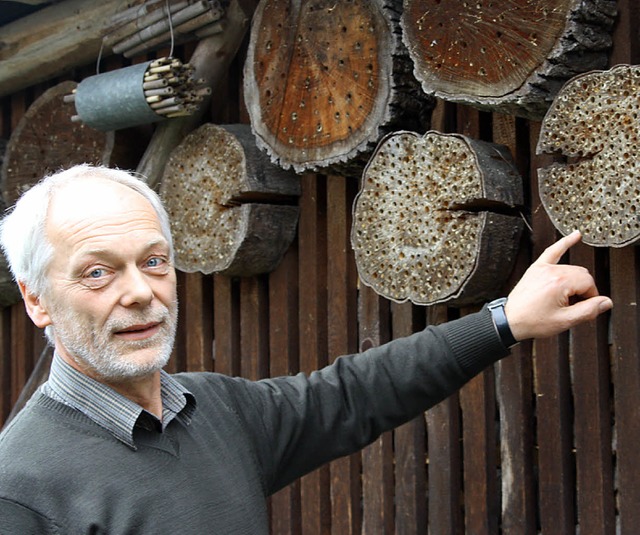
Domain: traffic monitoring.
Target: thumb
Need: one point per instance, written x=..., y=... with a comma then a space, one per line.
x=588, y=309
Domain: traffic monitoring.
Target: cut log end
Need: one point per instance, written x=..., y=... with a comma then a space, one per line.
x=426, y=227
x=46, y=140
x=219, y=192
x=508, y=58
x=594, y=123
x=320, y=87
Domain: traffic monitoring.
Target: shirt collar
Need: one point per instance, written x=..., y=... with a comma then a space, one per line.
x=111, y=410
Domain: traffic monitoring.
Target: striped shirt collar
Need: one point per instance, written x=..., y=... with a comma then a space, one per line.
x=111, y=410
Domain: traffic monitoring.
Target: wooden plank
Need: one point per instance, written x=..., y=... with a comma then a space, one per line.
x=514, y=380
x=377, y=458
x=226, y=325
x=342, y=327
x=53, y=40
x=592, y=417
x=625, y=330
x=444, y=456
x=410, y=445
x=553, y=397
x=477, y=400
x=478, y=403
x=312, y=246
x=285, y=505
x=5, y=364
x=254, y=327
x=197, y=309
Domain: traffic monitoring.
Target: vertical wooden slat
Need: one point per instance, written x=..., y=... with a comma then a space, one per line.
x=226, y=325
x=625, y=328
x=478, y=403
x=197, y=309
x=444, y=456
x=342, y=325
x=477, y=400
x=514, y=384
x=553, y=397
x=409, y=446
x=254, y=327
x=592, y=416
x=377, y=458
x=5, y=365
x=284, y=348
x=312, y=232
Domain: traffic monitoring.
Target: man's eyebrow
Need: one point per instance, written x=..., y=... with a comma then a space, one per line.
x=102, y=252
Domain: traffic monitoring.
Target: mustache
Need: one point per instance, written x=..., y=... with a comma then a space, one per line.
x=157, y=315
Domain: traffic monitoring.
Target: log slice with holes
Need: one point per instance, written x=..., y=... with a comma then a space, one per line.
x=511, y=56
x=232, y=211
x=437, y=219
x=46, y=140
x=595, y=123
x=324, y=80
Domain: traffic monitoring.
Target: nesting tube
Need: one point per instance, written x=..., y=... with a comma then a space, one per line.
x=144, y=93
x=115, y=99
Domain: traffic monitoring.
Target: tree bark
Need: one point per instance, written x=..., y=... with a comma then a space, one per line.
x=232, y=211
x=511, y=56
x=53, y=40
x=324, y=80
x=46, y=140
x=437, y=219
x=594, y=123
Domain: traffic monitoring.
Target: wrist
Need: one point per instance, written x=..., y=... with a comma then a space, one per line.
x=500, y=321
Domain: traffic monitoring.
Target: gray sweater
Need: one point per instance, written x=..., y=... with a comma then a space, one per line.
x=62, y=473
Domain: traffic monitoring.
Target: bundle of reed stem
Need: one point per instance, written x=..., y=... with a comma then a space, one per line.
x=169, y=88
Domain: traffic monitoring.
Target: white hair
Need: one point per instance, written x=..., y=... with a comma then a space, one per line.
x=23, y=231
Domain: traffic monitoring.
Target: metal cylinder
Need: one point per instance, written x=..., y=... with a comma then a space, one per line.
x=115, y=99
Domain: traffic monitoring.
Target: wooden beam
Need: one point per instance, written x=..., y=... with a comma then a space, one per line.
x=53, y=40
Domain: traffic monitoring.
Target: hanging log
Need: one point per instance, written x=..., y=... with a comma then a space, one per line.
x=53, y=40
x=232, y=211
x=506, y=56
x=322, y=87
x=210, y=61
x=437, y=219
x=593, y=122
x=46, y=140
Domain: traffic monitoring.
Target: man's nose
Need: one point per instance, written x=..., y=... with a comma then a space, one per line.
x=136, y=289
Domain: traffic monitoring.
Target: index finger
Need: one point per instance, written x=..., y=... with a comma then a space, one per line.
x=553, y=253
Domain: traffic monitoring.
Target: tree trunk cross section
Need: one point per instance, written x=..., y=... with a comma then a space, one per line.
x=437, y=218
x=594, y=123
x=322, y=77
x=231, y=210
x=509, y=55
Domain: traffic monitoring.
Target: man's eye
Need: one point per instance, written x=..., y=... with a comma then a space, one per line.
x=97, y=273
x=155, y=261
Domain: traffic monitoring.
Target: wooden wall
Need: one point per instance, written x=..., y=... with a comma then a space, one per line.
x=546, y=441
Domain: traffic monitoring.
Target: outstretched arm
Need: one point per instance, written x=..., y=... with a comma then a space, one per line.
x=540, y=305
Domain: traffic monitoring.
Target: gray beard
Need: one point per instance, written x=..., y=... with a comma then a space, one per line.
x=106, y=359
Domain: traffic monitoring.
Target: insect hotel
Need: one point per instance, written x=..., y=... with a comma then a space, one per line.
x=343, y=173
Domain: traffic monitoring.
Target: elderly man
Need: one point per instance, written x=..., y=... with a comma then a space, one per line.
x=112, y=444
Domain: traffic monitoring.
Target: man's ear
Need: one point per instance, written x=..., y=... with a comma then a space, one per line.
x=35, y=307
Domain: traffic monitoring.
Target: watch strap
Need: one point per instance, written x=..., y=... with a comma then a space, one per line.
x=500, y=321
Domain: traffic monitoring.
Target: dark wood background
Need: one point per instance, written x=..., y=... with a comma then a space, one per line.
x=546, y=441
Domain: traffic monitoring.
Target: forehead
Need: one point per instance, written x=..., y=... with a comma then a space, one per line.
x=98, y=208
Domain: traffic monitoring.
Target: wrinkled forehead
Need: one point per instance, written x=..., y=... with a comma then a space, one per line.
x=94, y=197
x=97, y=203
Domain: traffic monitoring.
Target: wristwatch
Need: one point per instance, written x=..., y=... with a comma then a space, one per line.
x=500, y=321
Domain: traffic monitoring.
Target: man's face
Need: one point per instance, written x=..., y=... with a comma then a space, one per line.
x=111, y=294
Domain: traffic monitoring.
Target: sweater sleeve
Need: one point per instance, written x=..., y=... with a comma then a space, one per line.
x=303, y=421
